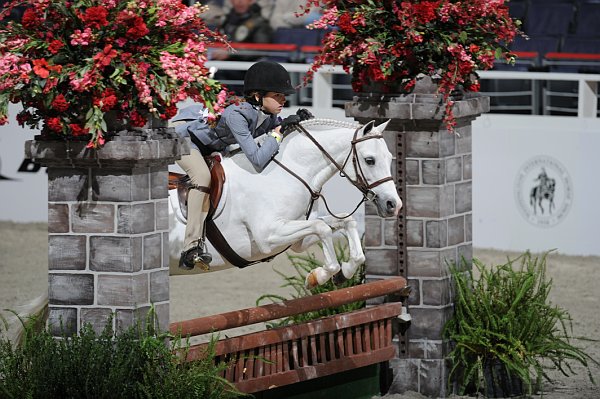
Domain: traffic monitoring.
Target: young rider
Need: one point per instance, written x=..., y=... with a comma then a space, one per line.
x=266, y=84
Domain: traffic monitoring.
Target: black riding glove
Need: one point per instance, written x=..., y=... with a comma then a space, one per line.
x=287, y=125
x=304, y=114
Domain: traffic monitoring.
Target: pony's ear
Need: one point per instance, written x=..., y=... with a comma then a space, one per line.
x=382, y=127
x=367, y=128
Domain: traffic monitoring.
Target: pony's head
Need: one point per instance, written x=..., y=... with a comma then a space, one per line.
x=372, y=163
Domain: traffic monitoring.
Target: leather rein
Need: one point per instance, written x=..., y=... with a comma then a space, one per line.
x=360, y=183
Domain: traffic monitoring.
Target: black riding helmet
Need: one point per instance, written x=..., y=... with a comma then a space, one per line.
x=267, y=76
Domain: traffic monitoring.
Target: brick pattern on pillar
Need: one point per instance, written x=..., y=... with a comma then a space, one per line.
x=432, y=169
x=108, y=229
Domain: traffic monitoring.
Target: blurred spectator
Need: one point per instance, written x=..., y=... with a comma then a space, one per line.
x=283, y=14
x=243, y=24
x=15, y=14
x=215, y=14
x=218, y=9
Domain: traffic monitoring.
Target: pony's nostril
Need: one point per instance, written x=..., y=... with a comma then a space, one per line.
x=391, y=205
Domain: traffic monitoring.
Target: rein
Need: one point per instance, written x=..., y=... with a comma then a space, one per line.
x=360, y=183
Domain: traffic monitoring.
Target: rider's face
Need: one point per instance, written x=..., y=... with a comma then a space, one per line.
x=273, y=102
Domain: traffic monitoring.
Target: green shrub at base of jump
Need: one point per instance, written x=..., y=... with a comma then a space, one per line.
x=504, y=321
x=303, y=264
x=136, y=363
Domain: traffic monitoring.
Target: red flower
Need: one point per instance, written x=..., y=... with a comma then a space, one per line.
x=98, y=143
x=54, y=124
x=136, y=119
x=55, y=46
x=345, y=23
x=41, y=68
x=107, y=100
x=376, y=73
x=425, y=11
x=30, y=20
x=78, y=130
x=475, y=87
x=139, y=28
x=105, y=57
x=50, y=84
x=95, y=17
x=170, y=112
x=60, y=103
x=23, y=117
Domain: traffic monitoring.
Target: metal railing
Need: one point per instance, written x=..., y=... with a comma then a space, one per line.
x=321, y=92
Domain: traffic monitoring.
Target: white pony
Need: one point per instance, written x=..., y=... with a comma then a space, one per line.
x=263, y=214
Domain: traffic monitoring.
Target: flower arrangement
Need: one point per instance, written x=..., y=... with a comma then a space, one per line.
x=395, y=43
x=71, y=62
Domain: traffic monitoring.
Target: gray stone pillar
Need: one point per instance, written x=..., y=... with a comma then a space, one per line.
x=433, y=175
x=108, y=228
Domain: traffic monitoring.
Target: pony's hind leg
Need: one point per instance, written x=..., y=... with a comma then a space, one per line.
x=292, y=231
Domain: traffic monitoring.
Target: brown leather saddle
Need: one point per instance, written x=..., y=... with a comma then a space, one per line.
x=183, y=184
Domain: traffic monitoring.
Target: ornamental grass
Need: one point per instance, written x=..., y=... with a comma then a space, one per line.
x=503, y=314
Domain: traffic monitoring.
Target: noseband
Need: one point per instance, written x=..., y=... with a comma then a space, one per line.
x=360, y=183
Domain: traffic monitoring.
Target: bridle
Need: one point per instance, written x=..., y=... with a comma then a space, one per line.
x=360, y=183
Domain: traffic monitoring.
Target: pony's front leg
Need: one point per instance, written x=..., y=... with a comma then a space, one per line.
x=349, y=228
x=292, y=231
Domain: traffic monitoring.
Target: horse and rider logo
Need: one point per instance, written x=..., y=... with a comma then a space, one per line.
x=543, y=191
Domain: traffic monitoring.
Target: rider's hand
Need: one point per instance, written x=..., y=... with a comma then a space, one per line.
x=288, y=123
x=304, y=114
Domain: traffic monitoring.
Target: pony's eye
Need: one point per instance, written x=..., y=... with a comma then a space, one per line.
x=370, y=161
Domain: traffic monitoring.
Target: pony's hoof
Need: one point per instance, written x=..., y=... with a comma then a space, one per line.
x=311, y=281
x=339, y=278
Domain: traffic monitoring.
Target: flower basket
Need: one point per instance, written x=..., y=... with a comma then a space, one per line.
x=394, y=44
x=83, y=68
x=499, y=382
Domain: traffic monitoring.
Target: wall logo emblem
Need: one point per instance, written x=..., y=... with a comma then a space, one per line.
x=544, y=191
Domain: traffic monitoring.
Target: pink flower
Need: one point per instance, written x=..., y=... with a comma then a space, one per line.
x=79, y=38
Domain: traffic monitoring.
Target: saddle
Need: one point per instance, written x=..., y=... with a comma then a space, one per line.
x=183, y=184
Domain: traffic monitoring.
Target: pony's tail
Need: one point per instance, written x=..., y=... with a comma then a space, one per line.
x=35, y=312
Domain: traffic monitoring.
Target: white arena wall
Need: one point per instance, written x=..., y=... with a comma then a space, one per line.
x=509, y=154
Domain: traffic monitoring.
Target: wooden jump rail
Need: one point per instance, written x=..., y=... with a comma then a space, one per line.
x=286, y=355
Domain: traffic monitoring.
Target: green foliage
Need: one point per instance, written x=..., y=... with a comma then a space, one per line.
x=303, y=264
x=505, y=315
x=137, y=363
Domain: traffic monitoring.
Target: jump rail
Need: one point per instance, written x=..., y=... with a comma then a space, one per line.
x=286, y=355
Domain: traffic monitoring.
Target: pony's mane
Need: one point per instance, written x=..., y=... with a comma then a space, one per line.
x=332, y=123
